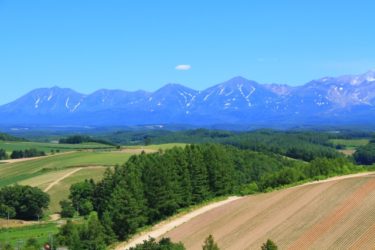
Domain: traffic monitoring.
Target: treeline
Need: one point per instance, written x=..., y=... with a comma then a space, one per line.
x=296, y=144
x=365, y=154
x=27, y=153
x=79, y=139
x=305, y=146
x=6, y=137
x=3, y=154
x=17, y=154
x=22, y=202
x=150, y=187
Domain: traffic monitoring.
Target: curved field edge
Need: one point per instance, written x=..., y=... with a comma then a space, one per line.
x=198, y=226
x=337, y=212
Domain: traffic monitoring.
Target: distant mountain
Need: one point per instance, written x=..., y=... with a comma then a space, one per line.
x=329, y=100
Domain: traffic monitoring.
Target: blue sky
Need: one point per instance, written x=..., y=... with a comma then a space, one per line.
x=137, y=44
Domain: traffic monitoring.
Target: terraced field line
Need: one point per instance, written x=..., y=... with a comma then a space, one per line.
x=163, y=227
x=60, y=179
x=323, y=226
x=365, y=239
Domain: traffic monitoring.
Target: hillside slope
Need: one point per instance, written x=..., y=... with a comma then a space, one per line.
x=336, y=214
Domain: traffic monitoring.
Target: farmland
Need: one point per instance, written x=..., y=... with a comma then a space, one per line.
x=83, y=161
x=21, y=171
x=332, y=214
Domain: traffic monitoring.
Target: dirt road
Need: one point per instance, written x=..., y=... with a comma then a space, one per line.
x=60, y=179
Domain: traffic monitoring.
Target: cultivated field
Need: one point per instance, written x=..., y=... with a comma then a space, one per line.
x=17, y=172
x=56, y=173
x=336, y=214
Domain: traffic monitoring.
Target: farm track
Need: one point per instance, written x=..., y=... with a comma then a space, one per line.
x=60, y=179
x=338, y=213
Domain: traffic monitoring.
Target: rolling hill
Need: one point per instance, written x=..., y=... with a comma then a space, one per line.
x=332, y=214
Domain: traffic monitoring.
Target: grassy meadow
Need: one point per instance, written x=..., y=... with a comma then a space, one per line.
x=17, y=236
x=350, y=143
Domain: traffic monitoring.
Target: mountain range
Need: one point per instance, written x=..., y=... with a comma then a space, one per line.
x=330, y=100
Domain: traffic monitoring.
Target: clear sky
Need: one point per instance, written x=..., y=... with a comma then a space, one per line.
x=139, y=44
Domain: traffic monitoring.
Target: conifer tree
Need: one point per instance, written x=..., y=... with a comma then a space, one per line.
x=269, y=245
x=209, y=244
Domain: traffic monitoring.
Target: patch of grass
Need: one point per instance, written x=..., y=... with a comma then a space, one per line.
x=350, y=143
x=40, y=232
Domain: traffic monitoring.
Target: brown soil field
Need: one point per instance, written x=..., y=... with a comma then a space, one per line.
x=347, y=151
x=334, y=214
x=4, y=223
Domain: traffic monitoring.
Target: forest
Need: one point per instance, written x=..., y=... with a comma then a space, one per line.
x=78, y=139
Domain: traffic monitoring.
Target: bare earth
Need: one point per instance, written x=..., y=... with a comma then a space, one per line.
x=15, y=223
x=137, y=150
x=338, y=213
x=160, y=229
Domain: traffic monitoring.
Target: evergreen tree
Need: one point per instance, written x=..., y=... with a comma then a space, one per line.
x=159, y=192
x=198, y=173
x=92, y=234
x=3, y=154
x=127, y=214
x=269, y=245
x=109, y=234
x=220, y=169
x=181, y=176
x=209, y=244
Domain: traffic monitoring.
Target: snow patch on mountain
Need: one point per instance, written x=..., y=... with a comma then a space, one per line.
x=37, y=103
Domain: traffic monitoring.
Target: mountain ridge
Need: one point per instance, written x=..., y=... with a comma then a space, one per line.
x=343, y=99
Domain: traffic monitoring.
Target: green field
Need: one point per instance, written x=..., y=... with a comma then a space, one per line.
x=19, y=235
x=19, y=171
x=350, y=143
x=47, y=147
x=60, y=191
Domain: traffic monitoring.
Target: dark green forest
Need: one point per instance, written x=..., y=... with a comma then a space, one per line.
x=79, y=139
x=365, y=154
x=22, y=202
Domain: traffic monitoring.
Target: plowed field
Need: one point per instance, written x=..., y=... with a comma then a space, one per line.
x=336, y=214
